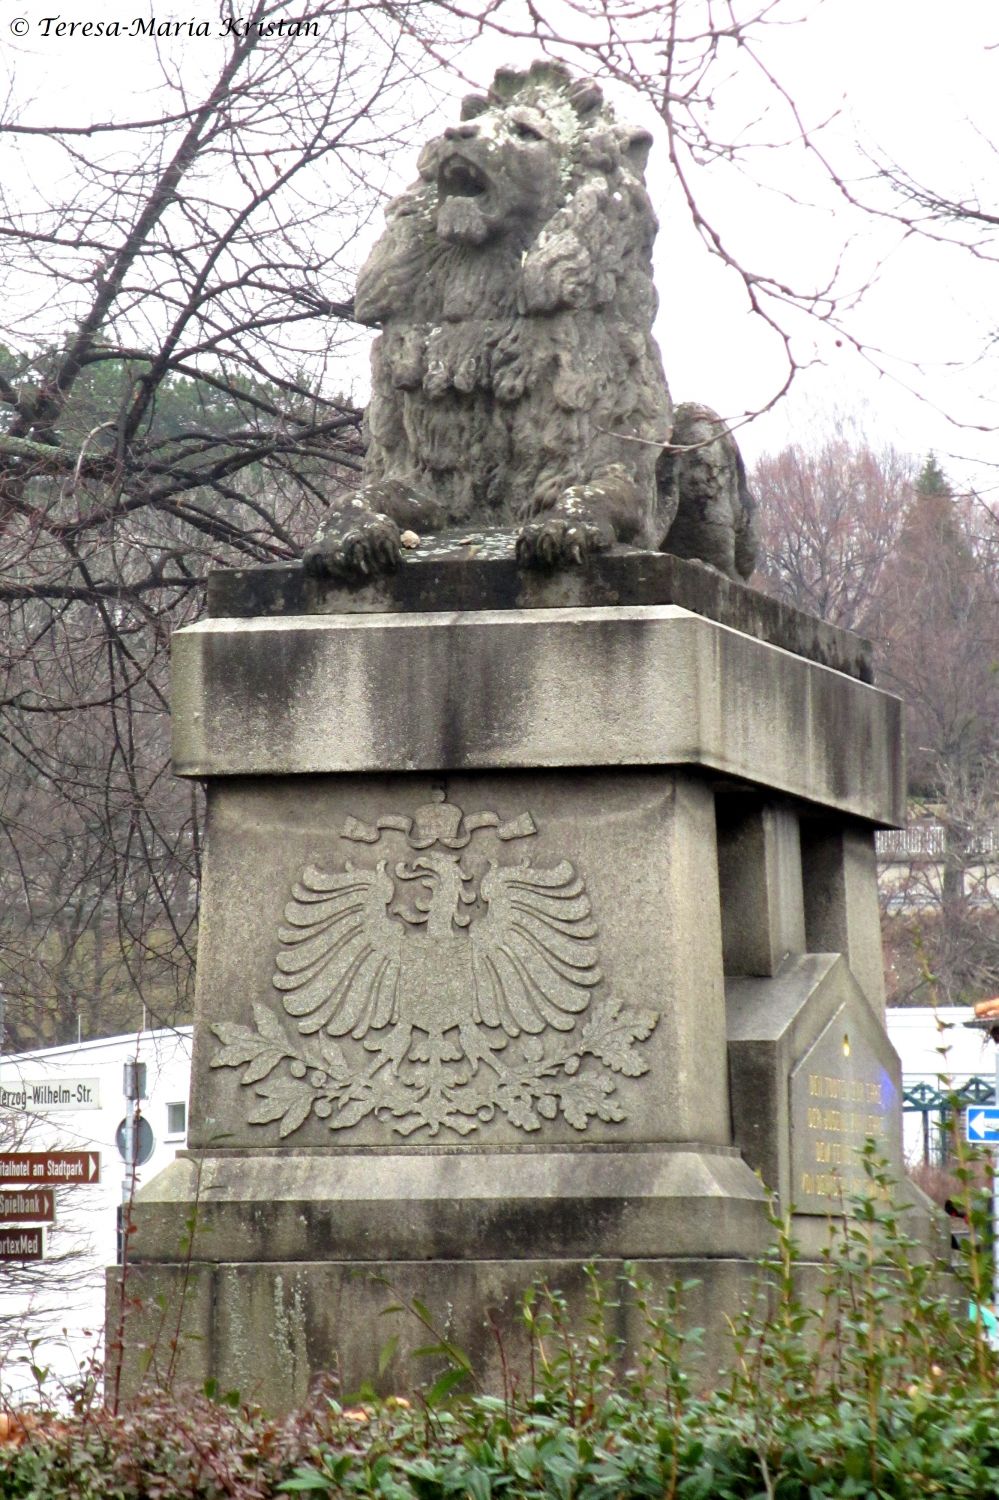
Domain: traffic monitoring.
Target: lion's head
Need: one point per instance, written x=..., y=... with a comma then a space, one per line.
x=538, y=166
x=520, y=153
x=493, y=175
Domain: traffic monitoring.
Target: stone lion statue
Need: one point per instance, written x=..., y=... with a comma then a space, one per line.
x=516, y=381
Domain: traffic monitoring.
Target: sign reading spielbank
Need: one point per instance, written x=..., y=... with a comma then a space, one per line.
x=433, y=989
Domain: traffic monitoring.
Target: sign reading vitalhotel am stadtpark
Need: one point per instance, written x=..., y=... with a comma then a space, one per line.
x=42, y=1094
x=51, y=1168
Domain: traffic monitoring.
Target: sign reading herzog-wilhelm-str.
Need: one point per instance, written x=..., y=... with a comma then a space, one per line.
x=41, y=1094
x=22, y=1244
x=27, y=1205
x=50, y=1168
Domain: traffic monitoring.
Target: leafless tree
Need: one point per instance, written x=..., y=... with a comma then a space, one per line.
x=867, y=541
x=830, y=520
x=940, y=893
x=938, y=629
x=176, y=291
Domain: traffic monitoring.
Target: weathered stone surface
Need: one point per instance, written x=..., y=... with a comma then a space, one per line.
x=842, y=915
x=509, y=689
x=462, y=1021
x=516, y=378
x=762, y=896
x=598, y=1018
x=454, y=1205
x=477, y=570
x=141, y=1336
x=274, y=1325
x=813, y=1074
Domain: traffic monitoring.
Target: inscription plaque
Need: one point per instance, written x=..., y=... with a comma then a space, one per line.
x=841, y=1094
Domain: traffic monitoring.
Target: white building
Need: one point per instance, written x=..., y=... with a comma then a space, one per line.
x=936, y=1042
x=52, y=1312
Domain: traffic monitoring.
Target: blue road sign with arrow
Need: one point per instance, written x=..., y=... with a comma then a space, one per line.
x=983, y=1125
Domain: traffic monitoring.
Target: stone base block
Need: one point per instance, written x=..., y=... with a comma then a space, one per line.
x=491, y=690
x=528, y=931
x=813, y=1077
x=298, y=1254
x=267, y=1330
x=453, y=1206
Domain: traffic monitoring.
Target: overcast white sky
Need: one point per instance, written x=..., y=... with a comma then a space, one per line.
x=909, y=80
x=917, y=85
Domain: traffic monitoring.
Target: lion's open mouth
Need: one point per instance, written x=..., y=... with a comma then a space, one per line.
x=458, y=178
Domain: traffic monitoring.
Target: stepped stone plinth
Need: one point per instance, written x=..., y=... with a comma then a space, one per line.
x=539, y=926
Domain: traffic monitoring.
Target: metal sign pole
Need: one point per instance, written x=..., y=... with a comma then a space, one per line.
x=995, y=1212
x=134, y=1089
x=129, y=1090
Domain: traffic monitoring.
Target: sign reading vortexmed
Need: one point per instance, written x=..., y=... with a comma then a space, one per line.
x=22, y=1244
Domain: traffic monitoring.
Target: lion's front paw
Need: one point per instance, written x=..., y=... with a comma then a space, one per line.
x=555, y=540
x=355, y=545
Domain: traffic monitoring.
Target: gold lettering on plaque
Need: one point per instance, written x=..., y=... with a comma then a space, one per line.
x=845, y=1113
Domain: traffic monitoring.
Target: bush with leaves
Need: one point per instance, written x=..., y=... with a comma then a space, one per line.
x=880, y=1388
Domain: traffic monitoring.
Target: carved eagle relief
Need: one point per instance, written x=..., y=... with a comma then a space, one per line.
x=436, y=966
x=524, y=963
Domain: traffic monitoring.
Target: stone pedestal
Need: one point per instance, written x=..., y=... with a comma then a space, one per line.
x=531, y=932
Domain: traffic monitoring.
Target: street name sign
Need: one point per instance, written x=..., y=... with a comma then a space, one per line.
x=22, y=1244
x=27, y=1205
x=50, y=1168
x=41, y=1094
x=983, y=1124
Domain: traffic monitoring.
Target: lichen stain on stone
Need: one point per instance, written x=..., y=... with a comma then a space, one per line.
x=288, y=1333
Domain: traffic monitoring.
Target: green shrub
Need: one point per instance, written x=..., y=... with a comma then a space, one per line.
x=883, y=1388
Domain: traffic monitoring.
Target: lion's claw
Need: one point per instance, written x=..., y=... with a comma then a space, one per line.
x=354, y=546
x=555, y=541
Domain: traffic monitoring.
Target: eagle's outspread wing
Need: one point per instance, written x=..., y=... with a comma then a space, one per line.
x=340, y=952
x=534, y=956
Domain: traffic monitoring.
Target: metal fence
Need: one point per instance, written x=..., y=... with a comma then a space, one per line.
x=942, y=1107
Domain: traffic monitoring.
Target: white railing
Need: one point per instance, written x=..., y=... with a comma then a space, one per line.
x=929, y=841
